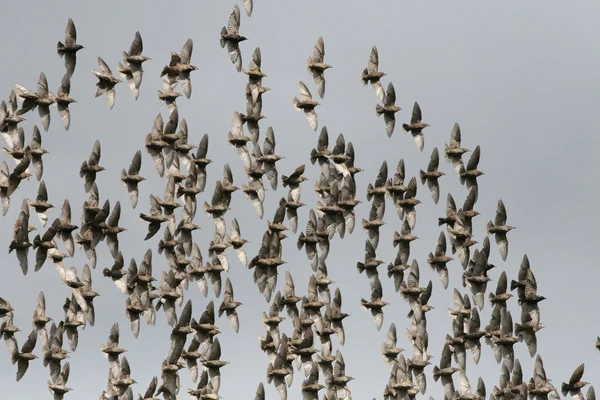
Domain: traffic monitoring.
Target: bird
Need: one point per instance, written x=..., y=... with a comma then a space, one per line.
x=453, y=151
x=91, y=167
x=180, y=67
x=389, y=109
x=499, y=229
x=470, y=174
x=231, y=38
x=106, y=82
x=69, y=49
x=134, y=60
x=229, y=306
x=307, y=104
x=23, y=357
x=316, y=66
x=432, y=175
x=131, y=178
x=42, y=99
x=416, y=126
x=372, y=75
x=575, y=384
x=36, y=151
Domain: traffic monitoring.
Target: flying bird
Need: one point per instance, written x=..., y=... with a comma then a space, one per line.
x=372, y=75
x=134, y=60
x=230, y=37
x=389, y=109
x=42, y=99
x=499, y=229
x=106, y=82
x=432, y=175
x=307, y=104
x=180, y=67
x=70, y=48
x=416, y=126
x=317, y=67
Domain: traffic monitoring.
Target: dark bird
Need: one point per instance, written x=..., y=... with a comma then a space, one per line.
x=317, y=67
x=389, y=109
x=445, y=371
x=307, y=104
x=268, y=158
x=106, y=82
x=229, y=306
x=453, y=151
x=499, y=229
x=70, y=48
x=376, y=303
x=90, y=168
x=231, y=37
x=131, y=178
x=416, y=126
x=134, y=60
x=575, y=384
x=372, y=75
x=42, y=99
x=438, y=261
x=20, y=242
x=180, y=67
x=432, y=175
x=63, y=100
x=254, y=72
x=23, y=357
x=469, y=174
x=36, y=151
x=41, y=205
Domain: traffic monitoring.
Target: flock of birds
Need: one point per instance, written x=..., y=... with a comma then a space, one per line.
x=314, y=312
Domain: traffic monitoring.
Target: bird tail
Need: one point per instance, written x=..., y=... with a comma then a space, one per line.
x=514, y=284
x=295, y=103
x=313, y=156
x=446, y=148
x=362, y=304
x=369, y=192
x=492, y=296
x=123, y=176
x=461, y=173
x=405, y=127
x=360, y=266
x=269, y=371
x=489, y=226
x=565, y=389
x=364, y=81
x=59, y=48
x=161, y=246
x=300, y=243
x=223, y=41
x=36, y=241
x=422, y=175
x=284, y=180
x=441, y=221
x=395, y=241
x=378, y=110
x=165, y=71
x=82, y=169
x=436, y=375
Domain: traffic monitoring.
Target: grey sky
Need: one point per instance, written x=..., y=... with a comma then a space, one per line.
x=520, y=78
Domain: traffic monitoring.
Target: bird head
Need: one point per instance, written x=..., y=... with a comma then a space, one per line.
x=242, y=38
x=79, y=47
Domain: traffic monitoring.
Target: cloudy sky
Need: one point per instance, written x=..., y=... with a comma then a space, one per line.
x=520, y=78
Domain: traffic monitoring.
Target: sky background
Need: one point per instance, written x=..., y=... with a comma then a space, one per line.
x=520, y=78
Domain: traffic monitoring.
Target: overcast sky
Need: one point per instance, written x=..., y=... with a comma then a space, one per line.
x=521, y=78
